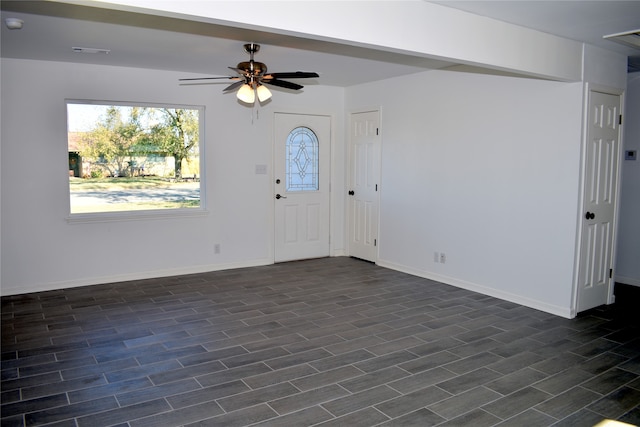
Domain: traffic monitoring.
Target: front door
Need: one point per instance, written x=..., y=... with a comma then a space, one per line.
x=599, y=208
x=301, y=188
x=364, y=181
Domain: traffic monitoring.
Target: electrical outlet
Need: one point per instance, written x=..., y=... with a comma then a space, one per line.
x=436, y=257
x=216, y=248
x=443, y=257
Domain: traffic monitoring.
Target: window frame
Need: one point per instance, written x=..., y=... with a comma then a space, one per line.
x=141, y=214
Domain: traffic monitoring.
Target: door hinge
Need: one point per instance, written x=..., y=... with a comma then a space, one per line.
x=375, y=242
x=377, y=131
x=610, y=273
x=376, y=187
x=620, y=119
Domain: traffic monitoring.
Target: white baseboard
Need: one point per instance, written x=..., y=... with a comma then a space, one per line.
x=627, y=281
x=535, y=304
x=565, y=312
x=88, y=281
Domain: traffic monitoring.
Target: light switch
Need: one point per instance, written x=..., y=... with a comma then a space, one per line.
x=630, y=155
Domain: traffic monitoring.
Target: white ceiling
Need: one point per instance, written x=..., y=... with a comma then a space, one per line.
x=51, y=29
x=584, y=21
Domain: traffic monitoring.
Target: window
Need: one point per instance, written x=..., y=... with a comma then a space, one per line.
x=302, y=160
x=133, y=157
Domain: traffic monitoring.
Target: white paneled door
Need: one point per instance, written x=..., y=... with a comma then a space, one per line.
x=301, y=187
x=364, y=181
x=599, y=208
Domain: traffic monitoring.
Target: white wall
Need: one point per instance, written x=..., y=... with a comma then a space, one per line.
x=628, y=249
x=41, y=250
x=486, y=170
x=604, y=68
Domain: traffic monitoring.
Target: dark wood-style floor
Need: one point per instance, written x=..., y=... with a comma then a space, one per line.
x=331, y=342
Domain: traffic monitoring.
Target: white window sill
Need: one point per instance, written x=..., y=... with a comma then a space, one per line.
x=97, y=217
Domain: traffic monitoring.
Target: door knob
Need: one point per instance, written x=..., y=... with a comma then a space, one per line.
x=590, y=215
x=351, y=192
x=280, y=197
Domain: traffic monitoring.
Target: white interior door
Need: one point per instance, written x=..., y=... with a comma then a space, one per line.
x=301, y=189
x=599, y=208
x=364, y=181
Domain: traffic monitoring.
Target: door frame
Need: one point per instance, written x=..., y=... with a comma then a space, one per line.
x=588, y=88
x=272, y=177
x=348, y=175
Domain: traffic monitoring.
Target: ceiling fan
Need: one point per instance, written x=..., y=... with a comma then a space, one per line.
x=252, y=76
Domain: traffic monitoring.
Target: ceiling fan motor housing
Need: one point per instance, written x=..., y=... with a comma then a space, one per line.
x=254, y=68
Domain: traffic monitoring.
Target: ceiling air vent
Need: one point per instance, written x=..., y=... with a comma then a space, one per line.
x=89, y=50
x=629, y=38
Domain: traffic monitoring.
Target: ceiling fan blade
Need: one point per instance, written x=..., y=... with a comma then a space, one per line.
x=207, y=78
x=254, y=74
x=292, y=75
x=282, y=83
x=233, y=86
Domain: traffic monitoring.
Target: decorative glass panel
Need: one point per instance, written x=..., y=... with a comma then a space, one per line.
x=302, y=163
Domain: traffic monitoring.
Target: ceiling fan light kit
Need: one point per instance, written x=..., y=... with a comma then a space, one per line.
x=252, y=76
x=246, y=94
x=263, y=93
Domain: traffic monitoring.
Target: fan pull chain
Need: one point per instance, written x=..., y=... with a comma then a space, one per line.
x=257, y=113
x=253, y=109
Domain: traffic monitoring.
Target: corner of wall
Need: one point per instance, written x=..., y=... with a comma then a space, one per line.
x=604, y=67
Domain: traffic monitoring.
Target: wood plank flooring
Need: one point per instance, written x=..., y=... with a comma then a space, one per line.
x=324, y=342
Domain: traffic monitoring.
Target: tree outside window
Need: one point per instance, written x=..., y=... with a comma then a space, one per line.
x=133, y=157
